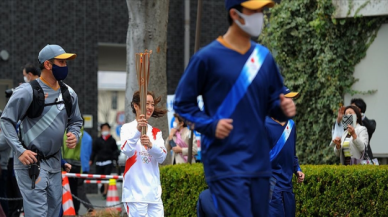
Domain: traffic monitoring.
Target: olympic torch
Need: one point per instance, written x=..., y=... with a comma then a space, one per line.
x=143, y=75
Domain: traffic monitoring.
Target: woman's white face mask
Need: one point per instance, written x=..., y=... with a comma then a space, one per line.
x=175, y=125
x=105, y=133
x=253, y=23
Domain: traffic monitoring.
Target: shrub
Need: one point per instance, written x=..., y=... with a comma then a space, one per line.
x=342, y=191
x=327, y=190
x=181, y=186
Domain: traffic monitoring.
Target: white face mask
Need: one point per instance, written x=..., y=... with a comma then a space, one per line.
x=175, y=125
x=253, y=23
x=105, y=133
x=26, y=79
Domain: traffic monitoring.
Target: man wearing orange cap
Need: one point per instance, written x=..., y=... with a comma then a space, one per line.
x=240, y=85
x=46, y=107
x=284, y=162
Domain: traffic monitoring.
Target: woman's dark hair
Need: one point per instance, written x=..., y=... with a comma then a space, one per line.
x=237, y=7
x=31, y=68
x=104, y=124
x=357, y=111
x=158, y=112
x=180, y=119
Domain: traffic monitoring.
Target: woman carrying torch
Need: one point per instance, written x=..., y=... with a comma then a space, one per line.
x=141, y=186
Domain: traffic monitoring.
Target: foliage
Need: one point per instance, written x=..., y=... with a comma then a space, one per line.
x=181, y=185
x=342, y=191
x=317, y=54
x=328, y=190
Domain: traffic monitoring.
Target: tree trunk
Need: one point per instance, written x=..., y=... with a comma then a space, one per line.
x=147, y=29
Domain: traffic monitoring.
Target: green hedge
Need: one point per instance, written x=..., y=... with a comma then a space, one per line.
x=326, y=191
x=181, y=185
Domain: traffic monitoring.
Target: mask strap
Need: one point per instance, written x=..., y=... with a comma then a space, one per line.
x=241, y=15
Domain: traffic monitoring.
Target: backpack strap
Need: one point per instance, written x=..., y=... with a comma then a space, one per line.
x=66, y=97
x=37, y=105
x=38, y=102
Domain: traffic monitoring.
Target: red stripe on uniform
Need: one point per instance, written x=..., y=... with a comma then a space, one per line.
x=129, y=163
x=122, y=147
x=154, y=132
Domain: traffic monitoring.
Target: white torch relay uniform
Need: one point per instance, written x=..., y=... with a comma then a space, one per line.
x=141, y=189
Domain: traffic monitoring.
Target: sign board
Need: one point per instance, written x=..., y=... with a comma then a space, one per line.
x=88, y=119
x=118, y=129
x=120, y=118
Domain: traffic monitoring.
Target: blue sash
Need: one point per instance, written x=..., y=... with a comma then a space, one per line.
x=282, y=140
x=248, y=73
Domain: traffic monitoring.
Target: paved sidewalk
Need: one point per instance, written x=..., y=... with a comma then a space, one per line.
x=97, y=199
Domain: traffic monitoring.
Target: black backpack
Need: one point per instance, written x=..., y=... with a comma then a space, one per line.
x=38, y=103
x=38, y=100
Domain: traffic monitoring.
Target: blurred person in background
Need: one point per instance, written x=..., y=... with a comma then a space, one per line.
x=350, y=146
x=5, y=151
x=73, y=157
x=30, y=72
x=103, y=154
x=178, y=141
x=284, y=163
x=86, y=151
x=370, y=124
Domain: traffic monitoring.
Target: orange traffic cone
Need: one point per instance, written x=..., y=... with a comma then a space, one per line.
x=67, y=199
x=112, y=197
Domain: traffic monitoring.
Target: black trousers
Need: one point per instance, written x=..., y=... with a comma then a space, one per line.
x=14, y=206
x=82, y=195
x=73, y=183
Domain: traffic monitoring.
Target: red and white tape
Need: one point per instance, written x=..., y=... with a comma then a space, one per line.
x=93, y=176
x=96, y=181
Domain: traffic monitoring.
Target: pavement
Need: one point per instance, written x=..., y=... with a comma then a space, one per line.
x=98, y=200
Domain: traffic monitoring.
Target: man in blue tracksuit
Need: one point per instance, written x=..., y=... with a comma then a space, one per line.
x=282, y=136
x=240, y=85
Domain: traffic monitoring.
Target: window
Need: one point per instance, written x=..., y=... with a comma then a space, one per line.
x=114, y=100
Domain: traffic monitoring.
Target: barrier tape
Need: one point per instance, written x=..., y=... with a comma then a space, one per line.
x=77, y=198
x=96, y=181
x=93, y=176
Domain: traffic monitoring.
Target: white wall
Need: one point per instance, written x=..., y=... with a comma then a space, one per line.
x=105, y=111
x=372, y=8
x=111, y=78
x=372, y=73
